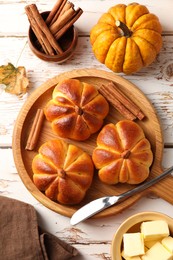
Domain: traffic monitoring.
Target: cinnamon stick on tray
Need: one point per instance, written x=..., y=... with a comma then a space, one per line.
x=121, y=102
x=35, y=130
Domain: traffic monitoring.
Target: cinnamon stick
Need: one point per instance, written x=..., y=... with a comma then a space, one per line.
x=58, y=11
x=35, y=130
x=131, y=106
x=45, y=29
x=54, y=11
x=62, y=20
x=67, y=6
x=69, y=23
x=41, y=37
x=105, y=91
x=35, y=15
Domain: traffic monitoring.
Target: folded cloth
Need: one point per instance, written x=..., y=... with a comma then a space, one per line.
x=22, y=239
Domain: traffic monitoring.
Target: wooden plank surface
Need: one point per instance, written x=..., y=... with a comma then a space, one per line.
x=15, y=11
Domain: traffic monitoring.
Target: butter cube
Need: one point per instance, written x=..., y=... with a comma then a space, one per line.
x=151, y=243
x=167, y=242
x=157, y=252
x=133, y=244
x=154, y=230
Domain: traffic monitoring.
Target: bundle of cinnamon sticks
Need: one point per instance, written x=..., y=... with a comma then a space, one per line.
x=60, y=19
x=121, y=102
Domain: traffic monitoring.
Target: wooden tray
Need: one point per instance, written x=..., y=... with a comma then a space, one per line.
x=150, y=125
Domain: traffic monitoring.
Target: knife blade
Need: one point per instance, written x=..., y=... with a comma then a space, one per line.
x=100, y=204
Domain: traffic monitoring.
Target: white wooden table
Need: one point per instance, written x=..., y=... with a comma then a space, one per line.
x=93, y=237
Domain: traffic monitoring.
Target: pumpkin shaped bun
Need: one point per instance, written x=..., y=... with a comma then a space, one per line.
x=123, y=154
x=126, y=38
x=76, y=109
x=62, y=171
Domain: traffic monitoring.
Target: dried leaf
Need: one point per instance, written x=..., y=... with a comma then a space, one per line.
x=14, y=79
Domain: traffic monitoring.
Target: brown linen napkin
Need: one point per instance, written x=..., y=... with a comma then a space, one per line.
x=22, y=239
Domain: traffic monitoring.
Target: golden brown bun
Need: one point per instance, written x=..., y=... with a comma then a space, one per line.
x=76, y=109
x=123, y=154
x=63, y=171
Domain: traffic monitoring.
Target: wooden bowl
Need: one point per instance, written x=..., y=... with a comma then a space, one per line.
x=132, y=224
x=67, y=42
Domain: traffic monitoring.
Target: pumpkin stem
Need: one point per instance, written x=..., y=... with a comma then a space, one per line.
x=124, y=28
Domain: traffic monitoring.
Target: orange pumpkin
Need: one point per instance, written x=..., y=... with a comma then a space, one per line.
x=126, y=38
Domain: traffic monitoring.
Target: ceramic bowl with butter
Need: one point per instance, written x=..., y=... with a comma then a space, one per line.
x=131, y=229
x=67, y=42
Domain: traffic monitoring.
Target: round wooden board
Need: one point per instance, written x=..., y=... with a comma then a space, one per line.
x=23, y=158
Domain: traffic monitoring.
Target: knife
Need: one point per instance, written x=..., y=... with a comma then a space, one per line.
x=100, y=204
